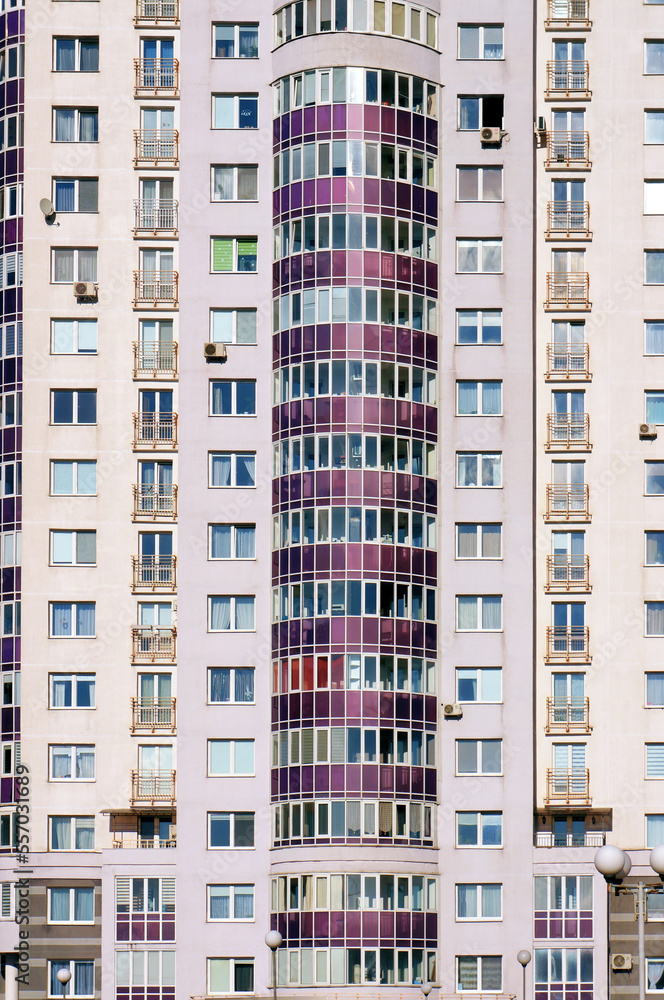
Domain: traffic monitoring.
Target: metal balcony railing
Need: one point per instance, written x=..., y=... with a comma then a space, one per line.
x=155, y=501
x=568, y=361
x=568, y=642
x=156, y=360
x=156, y=288
x=157, y=77
x=155, y=430
x=154, y=572
x=157, y=12
x=567, y=290
x=567, y=572
x=156, y=147
x=567, y=501
x=568, y=715
x=567, y=77
x=568, y=218
x=155, y=216
x=568, y=430
x=151, y=714
x=151, y=643
x=568, y=786
x=567, y=149
x=153, y=786
x=547, y=838
x=135, y=843
x=568, y=13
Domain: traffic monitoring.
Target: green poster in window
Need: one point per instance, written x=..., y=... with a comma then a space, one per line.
x=222, y=255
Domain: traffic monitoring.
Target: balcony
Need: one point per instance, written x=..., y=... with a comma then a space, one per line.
x=567, y=78
x=567, y=502
x=156, y=78
x=568, y=643
x=155, y=431
x=567, y=290
x=568, y=219
x=567, y=715
x=151, y=644
x=155, y=217
x=570, y=431
x=152, y=502
x=568, y=786
x=158, y=289
x=567, y=14
x=156, y=148
x=154, y=572
x=565, y=572
x=157, y=12
x=152, y=786
x=151, y=715
x=567, y=150
x=589, y=838
x=567, y=361
x=153, y=360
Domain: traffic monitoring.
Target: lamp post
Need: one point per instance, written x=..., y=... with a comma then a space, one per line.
x=273, y=940
x=63, y=976
x=523, y=958
x=426, y=989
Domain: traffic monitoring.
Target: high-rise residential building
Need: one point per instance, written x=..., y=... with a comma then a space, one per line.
x=335, y=433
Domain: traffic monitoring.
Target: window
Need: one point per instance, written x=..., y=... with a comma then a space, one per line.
x=12, y=61
x=72, y=690
x=654, y=267
x=654, y=337
x=71, y=906
x=76, y=194
x=231, y=614
x=654, y=548
x=654, y=57
x=653, y=197
x=479, y=399
x=76, y=55
x=230, y=975
x=479, y=973
x=235, y=111
x=654, y=830
x=72, y=620
x=73, y=336
x=654, y=618
x=479, y=829
x=144, y=895
x=654, y=478
x=11, y=201
x=480, y=41
x=72, y=763
x=479, y=326
x=230, y=757
x=233, y=397
x=654, y=407
x=235, y=183
x=232, y=541
x=139, y=968
x=70, y=479
x=655, y=974
x=231, y=685
x=654, y=760
x=479, y=183
x=478, y=541
x=479, y=256
x=74, y=406
x=230, y=902
x=654, y=128
x=480, y=112
x=479, y=684
x=235, y=41
x=479, y=902
x=72, y=833
x=73, y=548
x=75, y=125
x=11, y=131
x=234, y=468
x=563, y=969
x=69, y=265
x=230, y=829
x=479, y=756
x=81, y=984
x=479, y=469
x=234, y=254
x=233, y=326
x=655, y=690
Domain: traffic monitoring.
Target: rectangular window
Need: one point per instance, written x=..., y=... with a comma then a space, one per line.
x=72, y=763
x=479, y=829
x=654, y=830
x=479, y=614
x=234, y=254
x=70, y=478
x=655, y=690
x=230, y=757
x=479, y=469
x=654, y=478
x=232, y=468
x=654, y=57
x=233, y=397
x=76, y=194
x=479, y=256
x=654, y=410
x=235, y=182
x=72, y=620
x=230, y=902
x=654, y=127
x=479, y=326
x=230, y=829
x=233, y=326
x=230, y=975
x=479, y=541
x=231, y=685
x=479, y=112
x=479, y=399
x=232, y=541
x=76, y=55
x=132, y=969
x=653, y=197
x=235, y=41
x=479, y=684
x=654, y=337
x=654, y=548
x=73, y=406
x=654, y=760
x=73, y=548
x=72, y=833
x=73, y=264
x=73, y=336
x=479, y=756
x=71, y=906
x=654, y=267
x=479, y=183
x=479, y=973
x=479, y=901
x=480, y=41
x=75, y=125
x=72, y=690
x=231, y=614
x=654, y=618
x=81, y=984
x=235, y=111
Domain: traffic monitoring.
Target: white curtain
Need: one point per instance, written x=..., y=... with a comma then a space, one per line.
x=220, y=614
x=655, y=618
x=85, y=619
x=491, y=612
x=62, y=618
x=61, y=833
x=245, y=470
x=221, y=541
x=61, y=692
x=65, y=122
x=85, y=763
x=65, y=192
x=221, y=470
x=655, y=972
x=244, y=684
x=223, y=177
x=87, y=126
x=62, y=762
x=654, y=267
x=491, y=897
x=60, y=904
x=467, y=470
x=243, y=902
x=65, y=55
x=655, y=337
x=84, y=979
x=63, y=265
x=491, y=398
x=244, y=613
x=467, y=613
x=245, y=541
x=467, y=398
x=85, y=835
x=220, y=902
x=220, y=684
x=84, y=904
x=247, y=183
x=491, y=470
x=87, y=265
x=655, y=684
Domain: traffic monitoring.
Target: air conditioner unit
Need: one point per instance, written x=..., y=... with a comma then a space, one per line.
x=621, y=963
x=491, y=136
x=540, y=125
x=85, y=289
x=212, y=350
x=647, y=430
x=452, y=710
x=172, y=831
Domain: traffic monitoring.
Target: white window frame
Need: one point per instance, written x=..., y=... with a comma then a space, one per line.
x=646, y=703
x=232, y=773
x=651, y=111
x=480, y=184
x=74, y=463
x=651, y=635
x=234, y=326
x=232, y=846
x=233, y=555
x=235, y=240
x=233, y=613
x=73, y=751
x=9, y=193
x=76, y=326
x=70, y=987
x=74, y=535
x=479, y=455
x=75, y=265
x=232, y=887
x=74, y=691
x=479, y=753
x=480, y=57
x=650, y=186
x=480, y=396
x=72, y=906
x=236, y=111
x=72, y=839
x=77, y=210
x=233, y=382
x=232, y=484
x=480, y=987
x=236, y=40
x=231, y=961
x=73, y=605
x=648, y=763
x=479, y=813
x=236, y=168
x=77, y=124
x=77, y=39
x=480, y=342
x=73, y=422
x=646, y=253
x=479, y=598
x=648, y=42
x=479, y=536
x=232, y=700
x=480, y=700
x=479, y=916
x=479, y=243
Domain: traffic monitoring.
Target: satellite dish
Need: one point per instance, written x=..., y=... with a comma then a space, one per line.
x=47, y=207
